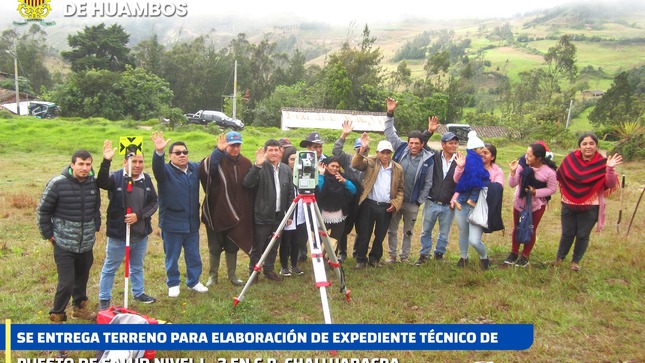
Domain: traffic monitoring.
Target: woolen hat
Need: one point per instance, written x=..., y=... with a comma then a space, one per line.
x=384, y=145
x=312, y=138
x=234, y=137
x=474, y=142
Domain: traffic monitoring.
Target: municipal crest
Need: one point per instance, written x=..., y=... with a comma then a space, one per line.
x=34, y=11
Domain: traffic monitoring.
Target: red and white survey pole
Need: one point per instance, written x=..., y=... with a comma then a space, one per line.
x=128, y=210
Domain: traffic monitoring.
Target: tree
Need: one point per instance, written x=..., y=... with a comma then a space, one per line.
x=148, y=54
x=145, y=94
x=98, y=47
x=623, y=101
x=32, y=53
x=561, y=65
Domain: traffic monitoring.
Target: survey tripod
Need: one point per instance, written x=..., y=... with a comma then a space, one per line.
x=317, y=238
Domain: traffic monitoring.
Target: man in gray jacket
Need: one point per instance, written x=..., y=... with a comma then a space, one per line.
x=69, y=217
x=417, y=164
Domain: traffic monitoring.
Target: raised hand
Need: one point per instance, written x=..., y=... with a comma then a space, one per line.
x=260, y=156
x=433, y=123
x=347, y=128
x=614, y=160
x=158, y=140
x=321, y=167
x=391, y=104
x=365, y=141
x=460, y=160
x=513, y=166
x=221, y=142
x=108, y=151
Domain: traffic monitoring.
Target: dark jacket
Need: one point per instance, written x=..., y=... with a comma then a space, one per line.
x=442, y=188
x=228, y=205
x=178, y=196
x=494, y=198
x=423, y=176
x=69, y=211
x=261, y=180
x=116, y=185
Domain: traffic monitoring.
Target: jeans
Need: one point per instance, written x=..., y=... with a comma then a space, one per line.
x=469, y=234
x=576, y=223
x=172, y=245
x=73, y=272
x=409, y=212
x=431, y=213
x=114, y=254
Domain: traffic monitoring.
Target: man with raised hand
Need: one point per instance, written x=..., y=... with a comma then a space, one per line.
x=227, y=210
x=178, y=185
x=272, y=183
x=141, y=201
x=417, y=164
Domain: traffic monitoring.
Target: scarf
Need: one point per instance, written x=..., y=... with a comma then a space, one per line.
x=475, y=174
x=527, y=179
x=333, y=196
x=580, y=180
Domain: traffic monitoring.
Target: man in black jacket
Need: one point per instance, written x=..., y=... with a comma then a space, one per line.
x=140, y=197
x=272, y=183
x=69, y=217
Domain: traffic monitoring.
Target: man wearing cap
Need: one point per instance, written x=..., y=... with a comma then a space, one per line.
x=438, y=206
x=227, y=210
x=313, y=142
x=417, y=164
x=272, y=182
x=356, y=176
x=382, y=195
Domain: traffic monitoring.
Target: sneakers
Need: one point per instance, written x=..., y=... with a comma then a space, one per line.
x=511, y=259
x=422, y=259
x=374, y=263
x=342, y=257
x=273, y=276
x=104, y=305
x=200, y=288
x=82, y=312
x=521, y=262
x=146, y=299
x=285, y=272
x=575, y=267
x=360, y=266
x=485, y=263
x=297, y=271
x=390, y=260
x=438, y=256
x=462, y=262
x=173, y=291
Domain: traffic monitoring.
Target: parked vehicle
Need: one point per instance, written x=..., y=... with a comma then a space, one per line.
x=461, y=130
x=204, y=117
x=42, y=109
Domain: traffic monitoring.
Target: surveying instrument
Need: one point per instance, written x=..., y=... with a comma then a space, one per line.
x=305, y=178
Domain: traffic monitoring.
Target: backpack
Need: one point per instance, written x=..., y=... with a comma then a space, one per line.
x=524, y=230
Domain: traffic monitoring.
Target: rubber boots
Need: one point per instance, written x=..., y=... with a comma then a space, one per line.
x=214, y=267
x=82, y=312
x=231, y=264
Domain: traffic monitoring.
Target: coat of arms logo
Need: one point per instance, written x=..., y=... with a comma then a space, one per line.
x=34, y=11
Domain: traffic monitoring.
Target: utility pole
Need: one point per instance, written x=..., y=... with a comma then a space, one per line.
x=15, y=74
x=569, y=115
x=234, y=88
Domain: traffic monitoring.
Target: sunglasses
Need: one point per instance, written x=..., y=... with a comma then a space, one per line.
x=185, y=152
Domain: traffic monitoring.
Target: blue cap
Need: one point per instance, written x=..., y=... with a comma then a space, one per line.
x=357, y=143
x=234, y=137
x=449, y=136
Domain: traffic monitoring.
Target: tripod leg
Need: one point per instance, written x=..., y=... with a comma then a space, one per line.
x=258, y=266
x=317, y=258
x=333, y=259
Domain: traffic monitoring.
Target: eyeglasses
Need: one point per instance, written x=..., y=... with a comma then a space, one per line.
x=185, y=152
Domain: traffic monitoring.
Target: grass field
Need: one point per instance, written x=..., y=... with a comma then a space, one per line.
x=596, y=315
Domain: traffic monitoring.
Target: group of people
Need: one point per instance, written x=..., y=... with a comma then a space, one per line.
x=245, y=202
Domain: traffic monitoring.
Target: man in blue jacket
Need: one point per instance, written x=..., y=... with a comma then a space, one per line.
x=178, y=185
x=133, y=201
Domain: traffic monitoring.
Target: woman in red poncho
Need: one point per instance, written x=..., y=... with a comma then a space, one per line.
x=584, y=176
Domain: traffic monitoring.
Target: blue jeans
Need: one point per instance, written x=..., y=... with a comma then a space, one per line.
x=172, y=245
x=469, y=234
x=114, y=255
x=431, y=213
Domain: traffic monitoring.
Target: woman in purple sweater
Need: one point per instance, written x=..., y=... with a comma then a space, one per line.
x=533, y=173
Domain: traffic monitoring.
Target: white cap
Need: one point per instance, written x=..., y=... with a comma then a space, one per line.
x=474, y=142
x=384, y=145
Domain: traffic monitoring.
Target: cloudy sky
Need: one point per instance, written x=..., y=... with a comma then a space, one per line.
x=335, y=11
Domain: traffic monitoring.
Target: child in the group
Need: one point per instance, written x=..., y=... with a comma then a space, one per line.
x=475, y=175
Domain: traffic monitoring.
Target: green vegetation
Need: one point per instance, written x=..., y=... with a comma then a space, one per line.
x=595, y=315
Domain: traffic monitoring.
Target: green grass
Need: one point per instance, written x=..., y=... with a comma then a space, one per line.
x=596, y=315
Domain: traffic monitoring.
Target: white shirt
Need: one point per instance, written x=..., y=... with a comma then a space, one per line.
x=383, y=185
